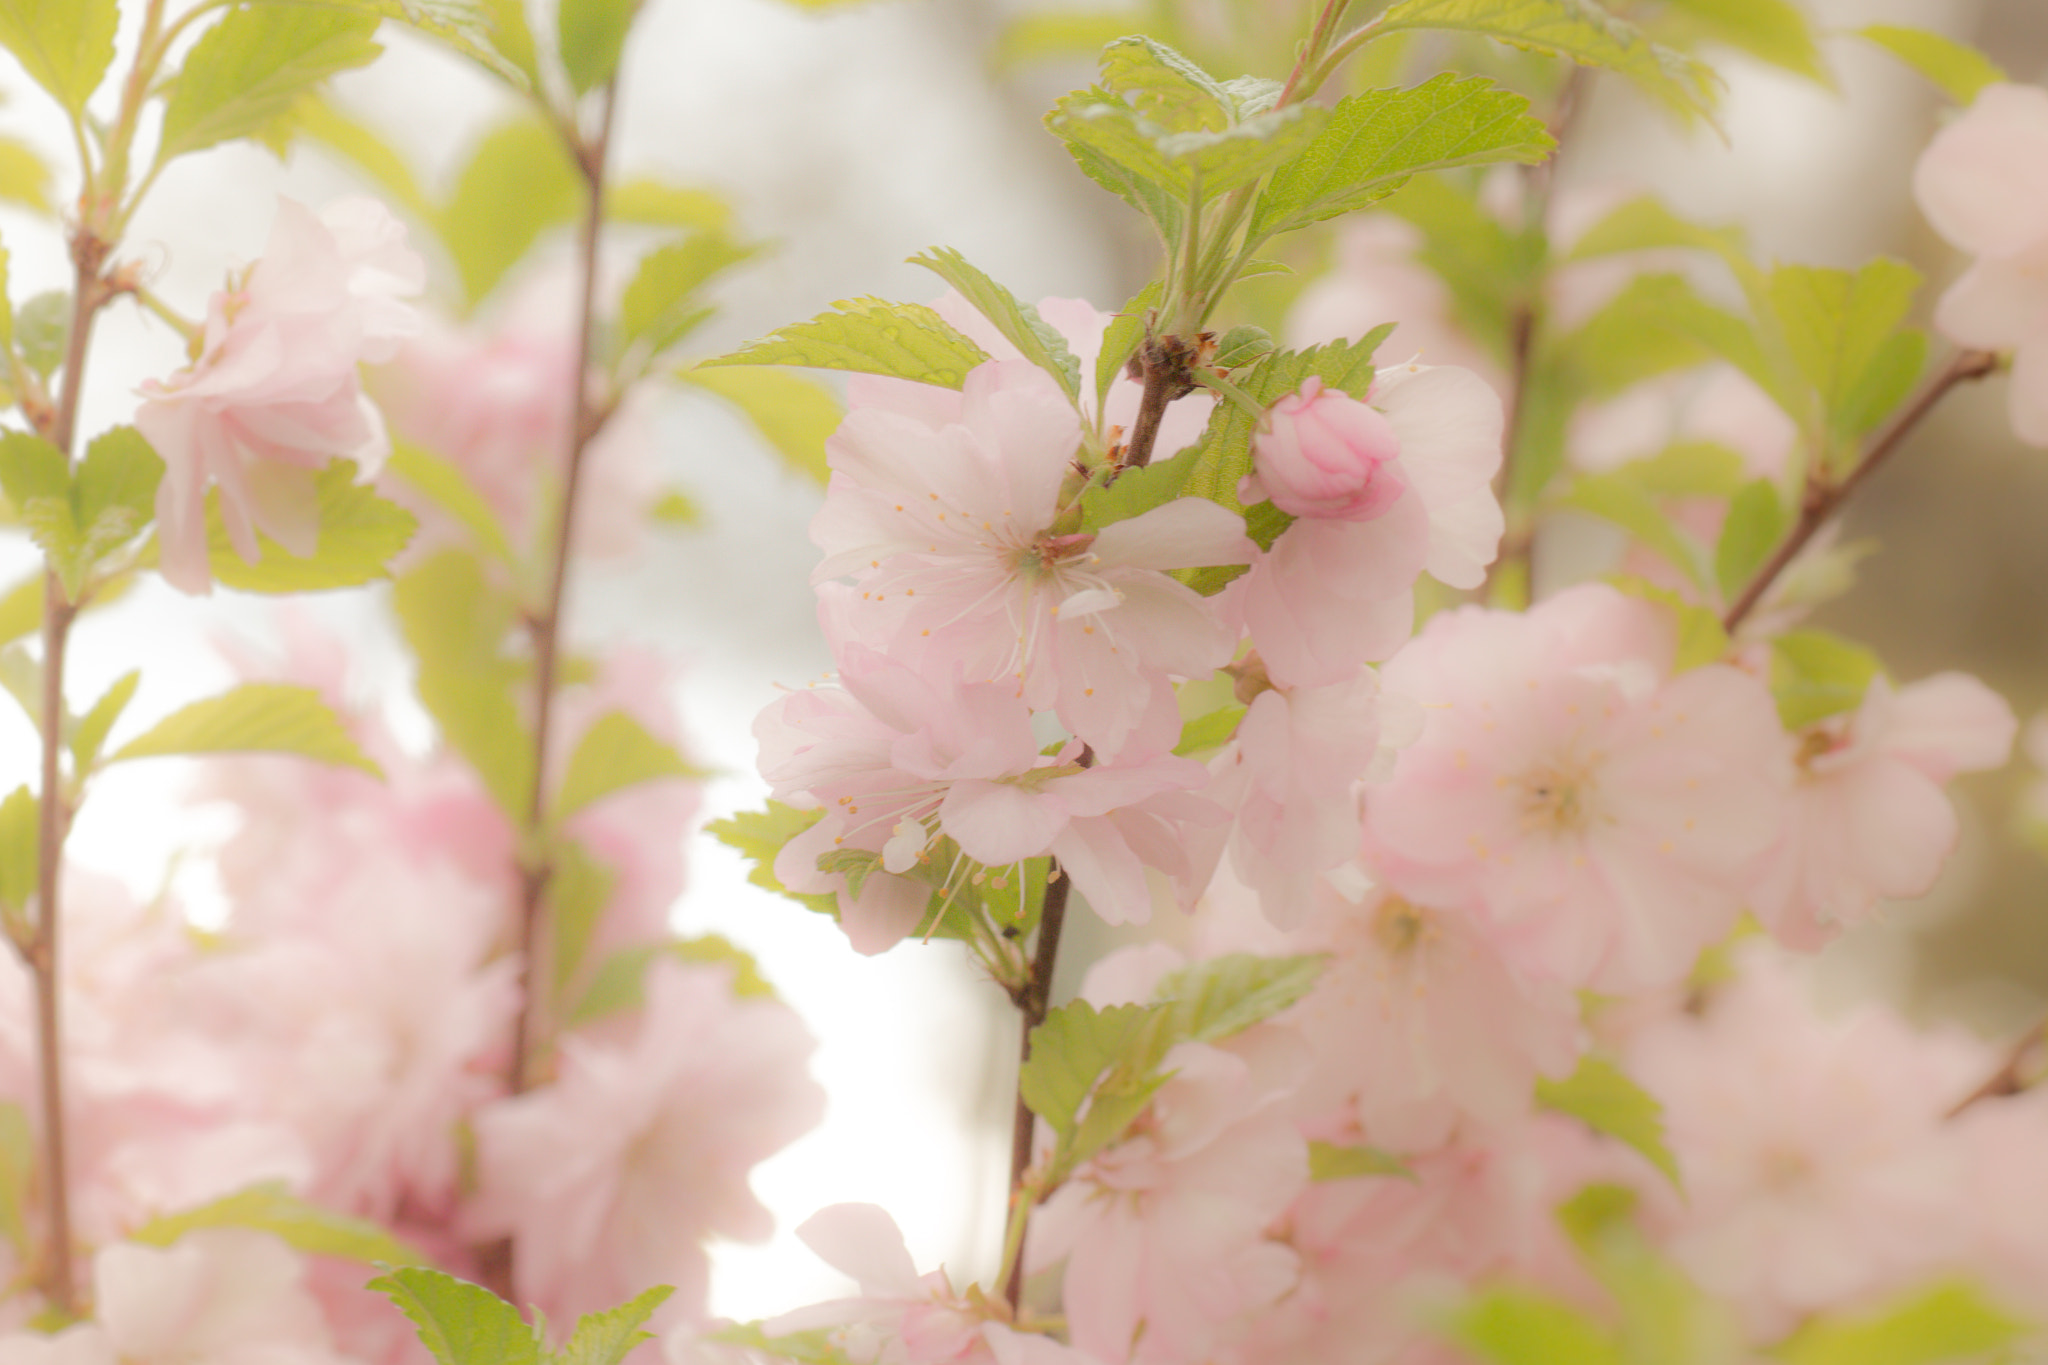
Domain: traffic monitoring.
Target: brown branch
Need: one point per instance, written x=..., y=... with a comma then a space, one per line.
x=1033, y=1003
x=1823, y=498
x=2007, y=1080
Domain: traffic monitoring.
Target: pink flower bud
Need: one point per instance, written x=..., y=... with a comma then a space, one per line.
x=1321, y=453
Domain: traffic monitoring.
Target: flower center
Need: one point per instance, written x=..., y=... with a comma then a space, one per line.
x=1400, y=928
x=1047, y=552
x=1557, y=796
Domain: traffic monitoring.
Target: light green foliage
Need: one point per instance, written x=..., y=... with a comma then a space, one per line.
x=462, y=24
x=1600, y=1095
x=1960, y=70
x=1226, y=995
x=1120, y=339
x=1512, y=1326
x=1069, y=1053
x=450, y=488
x=466, y=1324
x=360, y=534
x=792, y=413
x=1328, y=1161
x=1241, y=346
x=1491, y=272
x=1618, y=498
x=675, y=508
x=511, y=37
x=1105, y=142
x=1576, y=29
x=21, y=610
x=1152, y=163
x=304, y=1226
x=461, y=1323
x=1949, y=1322
x=90, y=734
x=615, y=753
x=759, y=835
x=1691, y=469
x=806, y=1348
x=79, y=518
x=618, y=986
x=1040, y=33
x=660, y=307
x=579, y=887
x=1774, y=31
x=656, y=203
x=1664, y=1319
x=64, y=45
x=1018, y=322
x=870, y=336
x=248, y=70
x=1843, y=332
x=356, y=142
x=1375, y=141
x=517, y=184
x=19, y=857
x=1700, y=637
x=1626, y=340
x=1161, y=85
x=6, y=310
x=40, y=326
x=279, y=718
x=1207, y=732
x=591, y=35
x=1754, y=526
x=1816, y=674
x=17, y=1166
x=456, y=627
x=24, y=180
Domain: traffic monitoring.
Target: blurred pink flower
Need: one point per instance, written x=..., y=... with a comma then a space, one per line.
x=275, y=395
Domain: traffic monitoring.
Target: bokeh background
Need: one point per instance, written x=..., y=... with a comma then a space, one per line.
x=851, y=138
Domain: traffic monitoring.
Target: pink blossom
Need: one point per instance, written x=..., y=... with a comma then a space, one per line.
x=1377, y=279
x=948, y=527
x=1979, y=183
x=274, y=394
x=1332, y=595
x=1164, y=1234
x=611, y=1177
x=1322, y=453
x=1603, y=815
x=898, y=761
x=1868, y=820
x=1819, y=1167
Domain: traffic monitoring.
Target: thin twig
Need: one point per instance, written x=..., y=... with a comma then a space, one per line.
x=2007, y=1080
x=1823, y=498
x=1033, y=1003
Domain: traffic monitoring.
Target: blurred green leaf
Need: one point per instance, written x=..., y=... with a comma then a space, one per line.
x=615, y=753
x=1774, y=31
x=24, y=180
x=1960, y=70
x=301, y=1225
x=64, y=45
x=759, y=836
x=248, y=70
x=1816, y=674
x=275, y=718
x=870, y=336
x=91, y=735
x=1621, y=500
x=1754, y=526
x=517, y=184
x=660, y=306
x=591, y=36
x=1600, y=1095
x=657, y=203
x=456, y=627
x=360, y=534
x=794, y=414
x=20, y=842
x=1948, y=1322
x=450, y=488
x=1328, y=1161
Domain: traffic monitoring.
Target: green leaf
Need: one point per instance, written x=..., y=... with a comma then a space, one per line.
x=1816, y=674
x=80, y=518
x=1120, y=339
x=248, y=70
x=1226, y=995
x=1374, y=141
x=1133, y=493
x=1837, y=325
x=1164, y=87
x=870, y=336
x=1619, y=499
x=1665, y=1317
x=114, y=490
x=1211, y=731
x=449, y=487
x=1626, y=341
x=32, y=469
x=1576, y=29
x=607, y=1338
x=1690, y=469
x=659, y=307
x=517, y=184
x=1960, y=70
x=461, y=1323
x=1510, y=1326
x=591, y=35
x=793, y=414
x=40, y=326
x=578, y=891
x=1328, y=1161
x=1106, y=143
x=6, y=304
x=615, y=753
x=656, y=203
x=64, y=45
x=279, y=718
x=1949, y=1322
x=1069, y=1053
x=1884, y=384
x=19, y=844
x=619, y=983
x=1774, y=31
x=24, y=180
x=360, y=534
x=512, y=37
x=1701, y=639
x=1755, y=525
x=21, y=610
x=461, y=24
x=357, y=143
x=456, y=627
x=1242, y=345
x=17, y=1168
x=759, y=835
x=1035, y=35
x=1600, y=1095
x=91, y=735
x=303, y=1226
x=1018, y=322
